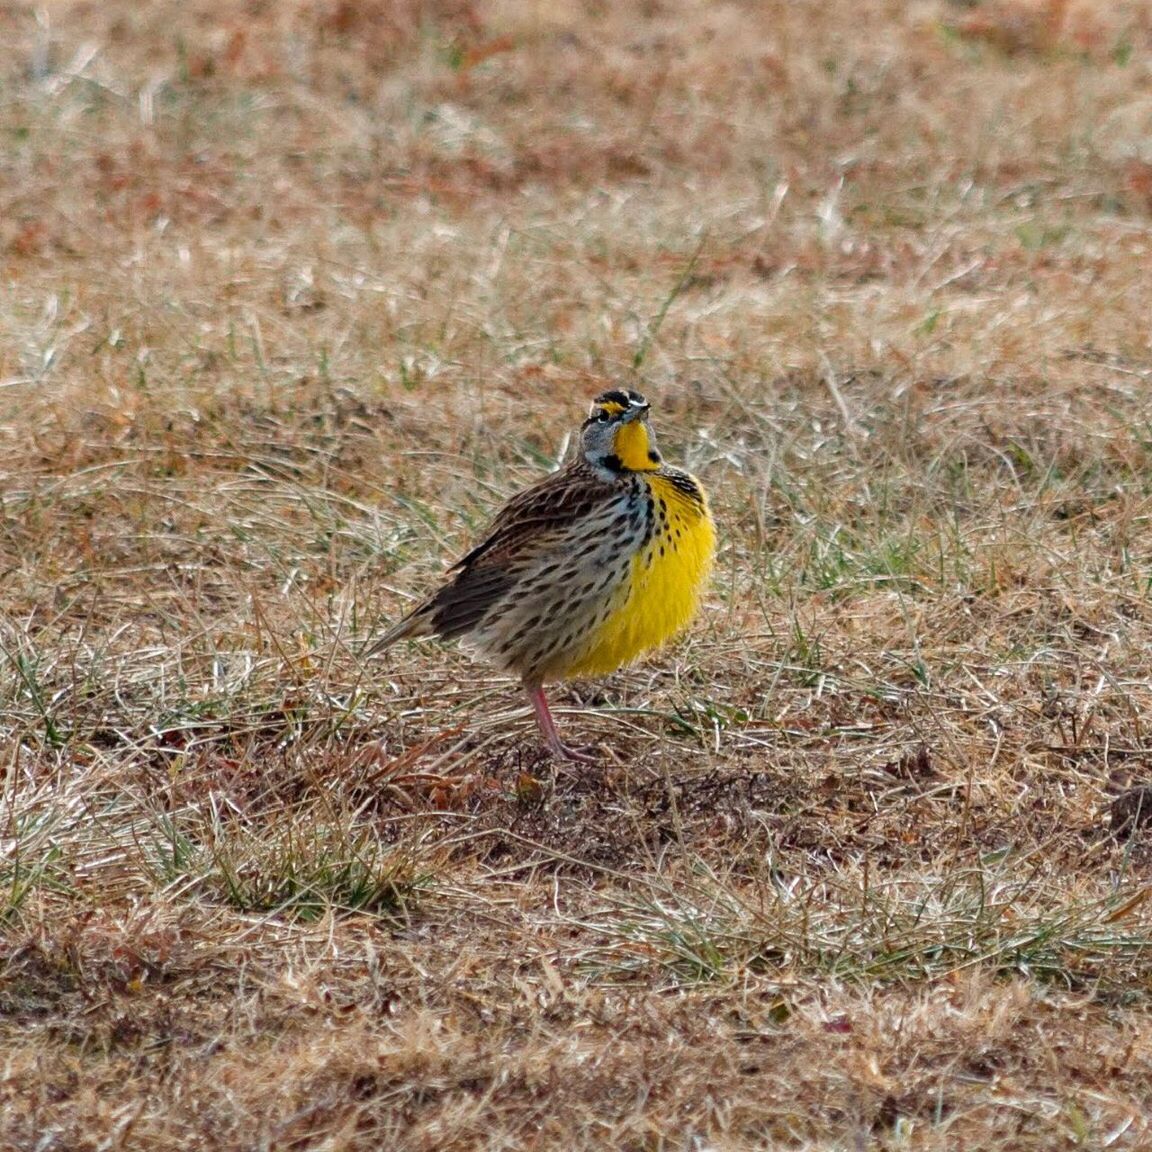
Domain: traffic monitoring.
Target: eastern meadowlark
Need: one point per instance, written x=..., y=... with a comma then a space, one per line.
x=581, y=573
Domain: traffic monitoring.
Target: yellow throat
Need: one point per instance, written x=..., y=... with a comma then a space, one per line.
x=633, y=449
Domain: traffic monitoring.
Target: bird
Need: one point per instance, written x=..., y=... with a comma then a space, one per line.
x=584, y=571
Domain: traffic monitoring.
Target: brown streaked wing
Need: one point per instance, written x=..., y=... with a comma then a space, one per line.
x=554, y=504
x=458, y=607
x=528, y=523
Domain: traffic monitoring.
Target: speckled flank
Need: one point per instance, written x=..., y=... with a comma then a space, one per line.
x=567, y=593
x=665, y=578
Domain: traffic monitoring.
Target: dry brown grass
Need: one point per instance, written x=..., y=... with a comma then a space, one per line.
x=294, y=294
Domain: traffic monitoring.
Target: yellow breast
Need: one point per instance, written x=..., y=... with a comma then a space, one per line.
x=668, y=576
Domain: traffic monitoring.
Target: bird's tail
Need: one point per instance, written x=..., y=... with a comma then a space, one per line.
x=415, y=624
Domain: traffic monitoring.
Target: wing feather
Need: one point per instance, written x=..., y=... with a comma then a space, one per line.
x=525, y=527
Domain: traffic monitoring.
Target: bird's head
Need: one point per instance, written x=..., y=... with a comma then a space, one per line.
x=617, y=437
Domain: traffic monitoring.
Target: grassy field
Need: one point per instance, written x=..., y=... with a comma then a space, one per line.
x=294, y=295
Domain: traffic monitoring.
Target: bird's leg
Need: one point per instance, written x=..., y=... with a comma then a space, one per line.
x=548, y=727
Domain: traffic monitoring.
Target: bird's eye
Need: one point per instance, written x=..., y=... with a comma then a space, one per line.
x=603, y=416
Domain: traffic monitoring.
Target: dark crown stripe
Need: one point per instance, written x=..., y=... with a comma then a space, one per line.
x=614, y=396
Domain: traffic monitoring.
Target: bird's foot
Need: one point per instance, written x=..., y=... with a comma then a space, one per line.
x=557, y=746
x=588, y=754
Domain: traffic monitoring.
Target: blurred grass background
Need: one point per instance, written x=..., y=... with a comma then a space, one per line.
x=294, y=295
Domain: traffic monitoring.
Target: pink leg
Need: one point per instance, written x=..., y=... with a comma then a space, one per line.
x=548, y=727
